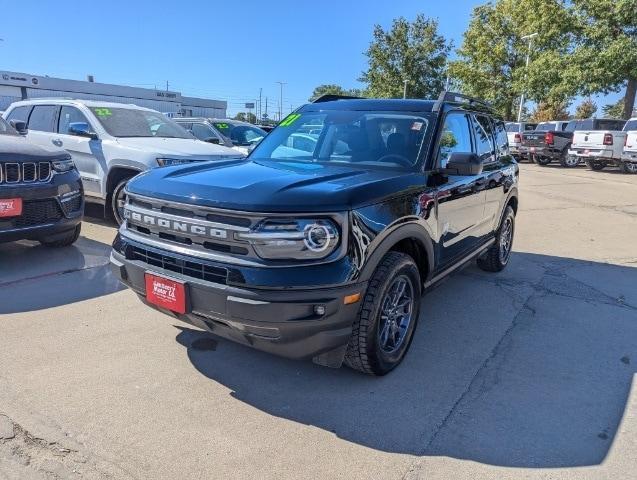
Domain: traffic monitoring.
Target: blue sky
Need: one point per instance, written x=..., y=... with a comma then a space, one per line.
x=225, y=50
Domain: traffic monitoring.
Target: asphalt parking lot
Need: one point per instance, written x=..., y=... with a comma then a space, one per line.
x=524, y=374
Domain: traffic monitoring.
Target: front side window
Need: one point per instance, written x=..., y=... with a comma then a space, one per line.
x=371, y=138
x=42, y=118
x=630, y=126
x=130, y=122
x=70, y=115
x=20, y=114
x=203, y=131
x=456, y=137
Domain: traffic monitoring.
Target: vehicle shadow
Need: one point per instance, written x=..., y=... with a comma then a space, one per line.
x=34, y=277
x=527, y=368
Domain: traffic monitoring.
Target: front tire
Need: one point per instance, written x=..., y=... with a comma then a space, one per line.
x=595, y=165
x=569, y=161
x=629, y=167
x=118, y=199
x=543, y=161
x=63, y=241
x=497, y=257
x=386, y=321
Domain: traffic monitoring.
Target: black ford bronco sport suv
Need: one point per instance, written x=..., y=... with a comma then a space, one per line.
x=320, y=243
x=41, y=194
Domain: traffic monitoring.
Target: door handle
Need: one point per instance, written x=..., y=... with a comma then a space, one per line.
x=57, y=142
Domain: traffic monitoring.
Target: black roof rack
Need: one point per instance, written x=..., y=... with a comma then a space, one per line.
x=454, y=97
x=331, y=97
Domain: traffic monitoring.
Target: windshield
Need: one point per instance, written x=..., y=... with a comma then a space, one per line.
x=6, y=129
x=546, y=127
x=241, y=134
x=390, y=139
x=129, y=122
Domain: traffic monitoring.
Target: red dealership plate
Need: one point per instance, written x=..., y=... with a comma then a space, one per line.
x=10, y=207
x=166, y=293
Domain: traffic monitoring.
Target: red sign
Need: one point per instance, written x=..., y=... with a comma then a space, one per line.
x=10, y=207
x=166, y=293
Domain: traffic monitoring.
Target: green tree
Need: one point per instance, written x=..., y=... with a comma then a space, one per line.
x=545, y=112
x=246, y=117
x=332, y=89
x=614, y=110
x=586, y=109
x=605, y=57
x=492, y=59
x=411, y=51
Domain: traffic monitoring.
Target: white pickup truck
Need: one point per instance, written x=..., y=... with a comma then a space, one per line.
x=601, y=147
x=629, y=157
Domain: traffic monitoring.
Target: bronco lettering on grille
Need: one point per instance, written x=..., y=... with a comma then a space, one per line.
x=174, y=225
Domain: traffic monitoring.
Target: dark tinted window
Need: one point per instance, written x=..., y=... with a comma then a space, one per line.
x=610, y=124
x=203, y=131
x=501, y=139
x=456, y=137
x=483, y=131
x=20, y=113
x=70, y=115
x=529, y=127
x=631, y=126
x=42, y=118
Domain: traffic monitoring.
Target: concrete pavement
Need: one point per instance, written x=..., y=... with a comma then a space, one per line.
x=525, y=374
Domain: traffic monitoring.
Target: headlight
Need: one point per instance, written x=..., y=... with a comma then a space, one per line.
x=62, y=166
x=287, y=239
x=165, y=162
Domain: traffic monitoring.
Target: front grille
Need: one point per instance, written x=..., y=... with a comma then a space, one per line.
x=26, y=172
x=38, y=212
x=187, y=268
x=72, y=205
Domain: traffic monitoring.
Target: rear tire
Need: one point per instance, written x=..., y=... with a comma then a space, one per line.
x=543, y=161
x=497, y=257
x=383, y=330
x=65, y=241
x=595, y=165
x=629, y=167
x=569, y=161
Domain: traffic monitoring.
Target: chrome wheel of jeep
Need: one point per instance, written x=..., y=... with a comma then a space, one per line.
x=396, y=314
x=506, y=240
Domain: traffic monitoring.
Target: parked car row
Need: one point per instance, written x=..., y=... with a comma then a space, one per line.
x=597, y=142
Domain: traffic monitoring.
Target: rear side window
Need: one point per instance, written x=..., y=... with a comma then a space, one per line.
x=70, y=115
x=42, y=118
x=501, y=139
x=456, y=137
x=483, y=130
x=20, y=113
x=631, y=126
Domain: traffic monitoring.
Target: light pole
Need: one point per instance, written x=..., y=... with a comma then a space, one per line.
x=281, y=101
x=528, y=57
x=405, y=88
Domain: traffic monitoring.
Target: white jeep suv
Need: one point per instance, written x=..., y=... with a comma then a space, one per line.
x=110, y=143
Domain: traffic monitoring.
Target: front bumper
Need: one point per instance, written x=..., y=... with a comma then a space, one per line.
x=278, y=321
x=62, y=196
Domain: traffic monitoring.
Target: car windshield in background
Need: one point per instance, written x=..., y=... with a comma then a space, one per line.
x=6, y=129
x=545, y=127
x=129, y=122
x=630, y=126
x=241, y=134
x=382, y=139
x=513, y=127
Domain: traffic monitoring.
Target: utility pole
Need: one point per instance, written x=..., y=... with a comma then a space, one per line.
x=266, y=107
x=528, y=57
x=166, y=85
x=281, y=100
x=405, y=88
x=260, y=105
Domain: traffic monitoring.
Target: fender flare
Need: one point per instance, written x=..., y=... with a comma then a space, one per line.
x=403, y=232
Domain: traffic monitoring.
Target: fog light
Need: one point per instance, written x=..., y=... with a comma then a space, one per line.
x=319, y=310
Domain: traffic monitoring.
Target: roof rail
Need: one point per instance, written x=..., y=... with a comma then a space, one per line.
x=454, y=97
x=329, y=97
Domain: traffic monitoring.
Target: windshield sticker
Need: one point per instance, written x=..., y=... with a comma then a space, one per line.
x=290, y=120
x=417, y=126
x=102, y=112
x=222, y=126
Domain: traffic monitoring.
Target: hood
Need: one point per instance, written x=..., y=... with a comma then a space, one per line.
x=18, y=149
x=178, y=147
x=266, y=186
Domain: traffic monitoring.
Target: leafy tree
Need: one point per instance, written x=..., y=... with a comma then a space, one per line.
x=331, y=89
x=545, y=112
x=246, y=117
x=412, y=51
x=586, y=109
x=605, y=57
x=492, y=58
x=614, y=110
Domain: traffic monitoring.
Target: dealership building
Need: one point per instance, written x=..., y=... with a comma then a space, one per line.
x=21, y=86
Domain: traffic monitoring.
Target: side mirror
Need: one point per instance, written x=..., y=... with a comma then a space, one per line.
x=460, y=163
x=20, y=126
x=214, y=140
x=82, y=129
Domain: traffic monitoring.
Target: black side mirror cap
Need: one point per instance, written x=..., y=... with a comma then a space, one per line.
x=460, y=163
x=82, y=129
x=214, y=140
x=20, y=126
